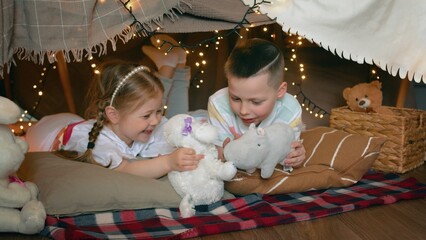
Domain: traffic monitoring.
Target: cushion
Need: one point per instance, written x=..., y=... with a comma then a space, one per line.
x=69, y=187
x=334, y=158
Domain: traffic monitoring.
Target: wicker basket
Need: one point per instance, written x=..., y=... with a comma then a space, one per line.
x=405, y=132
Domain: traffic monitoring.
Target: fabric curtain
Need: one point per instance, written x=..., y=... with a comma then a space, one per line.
x=390, y=34
x=36, y=30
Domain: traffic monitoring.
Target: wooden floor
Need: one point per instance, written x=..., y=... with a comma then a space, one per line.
x=400, y=221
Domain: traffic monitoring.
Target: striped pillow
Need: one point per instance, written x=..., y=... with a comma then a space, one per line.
x=334, y=158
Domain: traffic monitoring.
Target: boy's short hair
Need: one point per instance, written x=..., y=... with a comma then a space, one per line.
x=256, y=56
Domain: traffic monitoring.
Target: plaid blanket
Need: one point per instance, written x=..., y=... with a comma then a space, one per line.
x=247, y=212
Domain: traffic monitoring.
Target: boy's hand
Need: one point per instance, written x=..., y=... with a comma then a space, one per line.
x=185, y=159
x=226, y=141
x=296, y=157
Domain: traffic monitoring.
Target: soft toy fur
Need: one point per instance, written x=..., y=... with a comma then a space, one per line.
x=20, y=211
x=366, y=97
x=204, y=185
x=261, y=148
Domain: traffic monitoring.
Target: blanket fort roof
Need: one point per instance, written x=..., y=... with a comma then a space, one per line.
x=389, y=34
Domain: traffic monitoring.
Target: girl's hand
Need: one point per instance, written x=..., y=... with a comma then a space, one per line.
x=184, y=159
x=296, y=157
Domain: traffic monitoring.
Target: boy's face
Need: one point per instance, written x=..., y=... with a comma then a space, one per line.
x=252, y=99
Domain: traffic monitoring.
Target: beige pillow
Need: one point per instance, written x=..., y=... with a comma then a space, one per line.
x=334, y=158
x=68, y=187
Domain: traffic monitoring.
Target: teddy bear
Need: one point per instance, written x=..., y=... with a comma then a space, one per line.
x=261, y=148
x=366, y=97
x=205, y=184
x=20, y=211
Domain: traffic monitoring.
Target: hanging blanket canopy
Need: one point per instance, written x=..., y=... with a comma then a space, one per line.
x=390, y=34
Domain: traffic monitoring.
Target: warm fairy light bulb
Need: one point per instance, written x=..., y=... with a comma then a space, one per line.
x=34, y=86
x=373, y=71
x=293, y=50
x=303, y=76
x=165, y=106
x=42, y=74
x=197, y=64
x=201, y=80
x=29, y=124
x=285, y=69
x=301, y=65
x=265, y=29
x=40, y=93
x=204, y=62
x=93, y=65
x=321, y=116
x=97, y=71
x=201, y=54
x=54, y=67
x=302, y=69
x=216, y=31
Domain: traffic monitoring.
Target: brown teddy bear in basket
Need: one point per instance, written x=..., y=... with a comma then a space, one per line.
x=366, y=97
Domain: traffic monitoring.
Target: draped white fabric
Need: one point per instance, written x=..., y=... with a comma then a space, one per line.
x=390, y=33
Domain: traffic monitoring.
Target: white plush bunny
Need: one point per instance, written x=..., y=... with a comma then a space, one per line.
x=20, y=211
x=204, y=185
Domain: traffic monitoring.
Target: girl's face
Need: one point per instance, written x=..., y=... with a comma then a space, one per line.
x=138, y=125
x=252, y=99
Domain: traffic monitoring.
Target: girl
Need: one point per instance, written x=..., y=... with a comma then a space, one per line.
x=126, y=120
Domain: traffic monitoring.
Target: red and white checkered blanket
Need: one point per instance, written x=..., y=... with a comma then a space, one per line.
x=247, y=212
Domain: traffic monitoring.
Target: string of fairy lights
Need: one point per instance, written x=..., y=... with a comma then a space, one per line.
x=197, y=80
x=307, y=104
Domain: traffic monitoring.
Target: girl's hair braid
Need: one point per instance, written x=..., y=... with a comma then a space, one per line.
x=93, y=135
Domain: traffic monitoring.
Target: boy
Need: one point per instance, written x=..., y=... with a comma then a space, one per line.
x=256, y=93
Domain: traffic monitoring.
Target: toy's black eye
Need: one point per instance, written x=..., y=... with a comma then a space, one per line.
x=258, y=144
x=356, y=99
x=366, y=96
